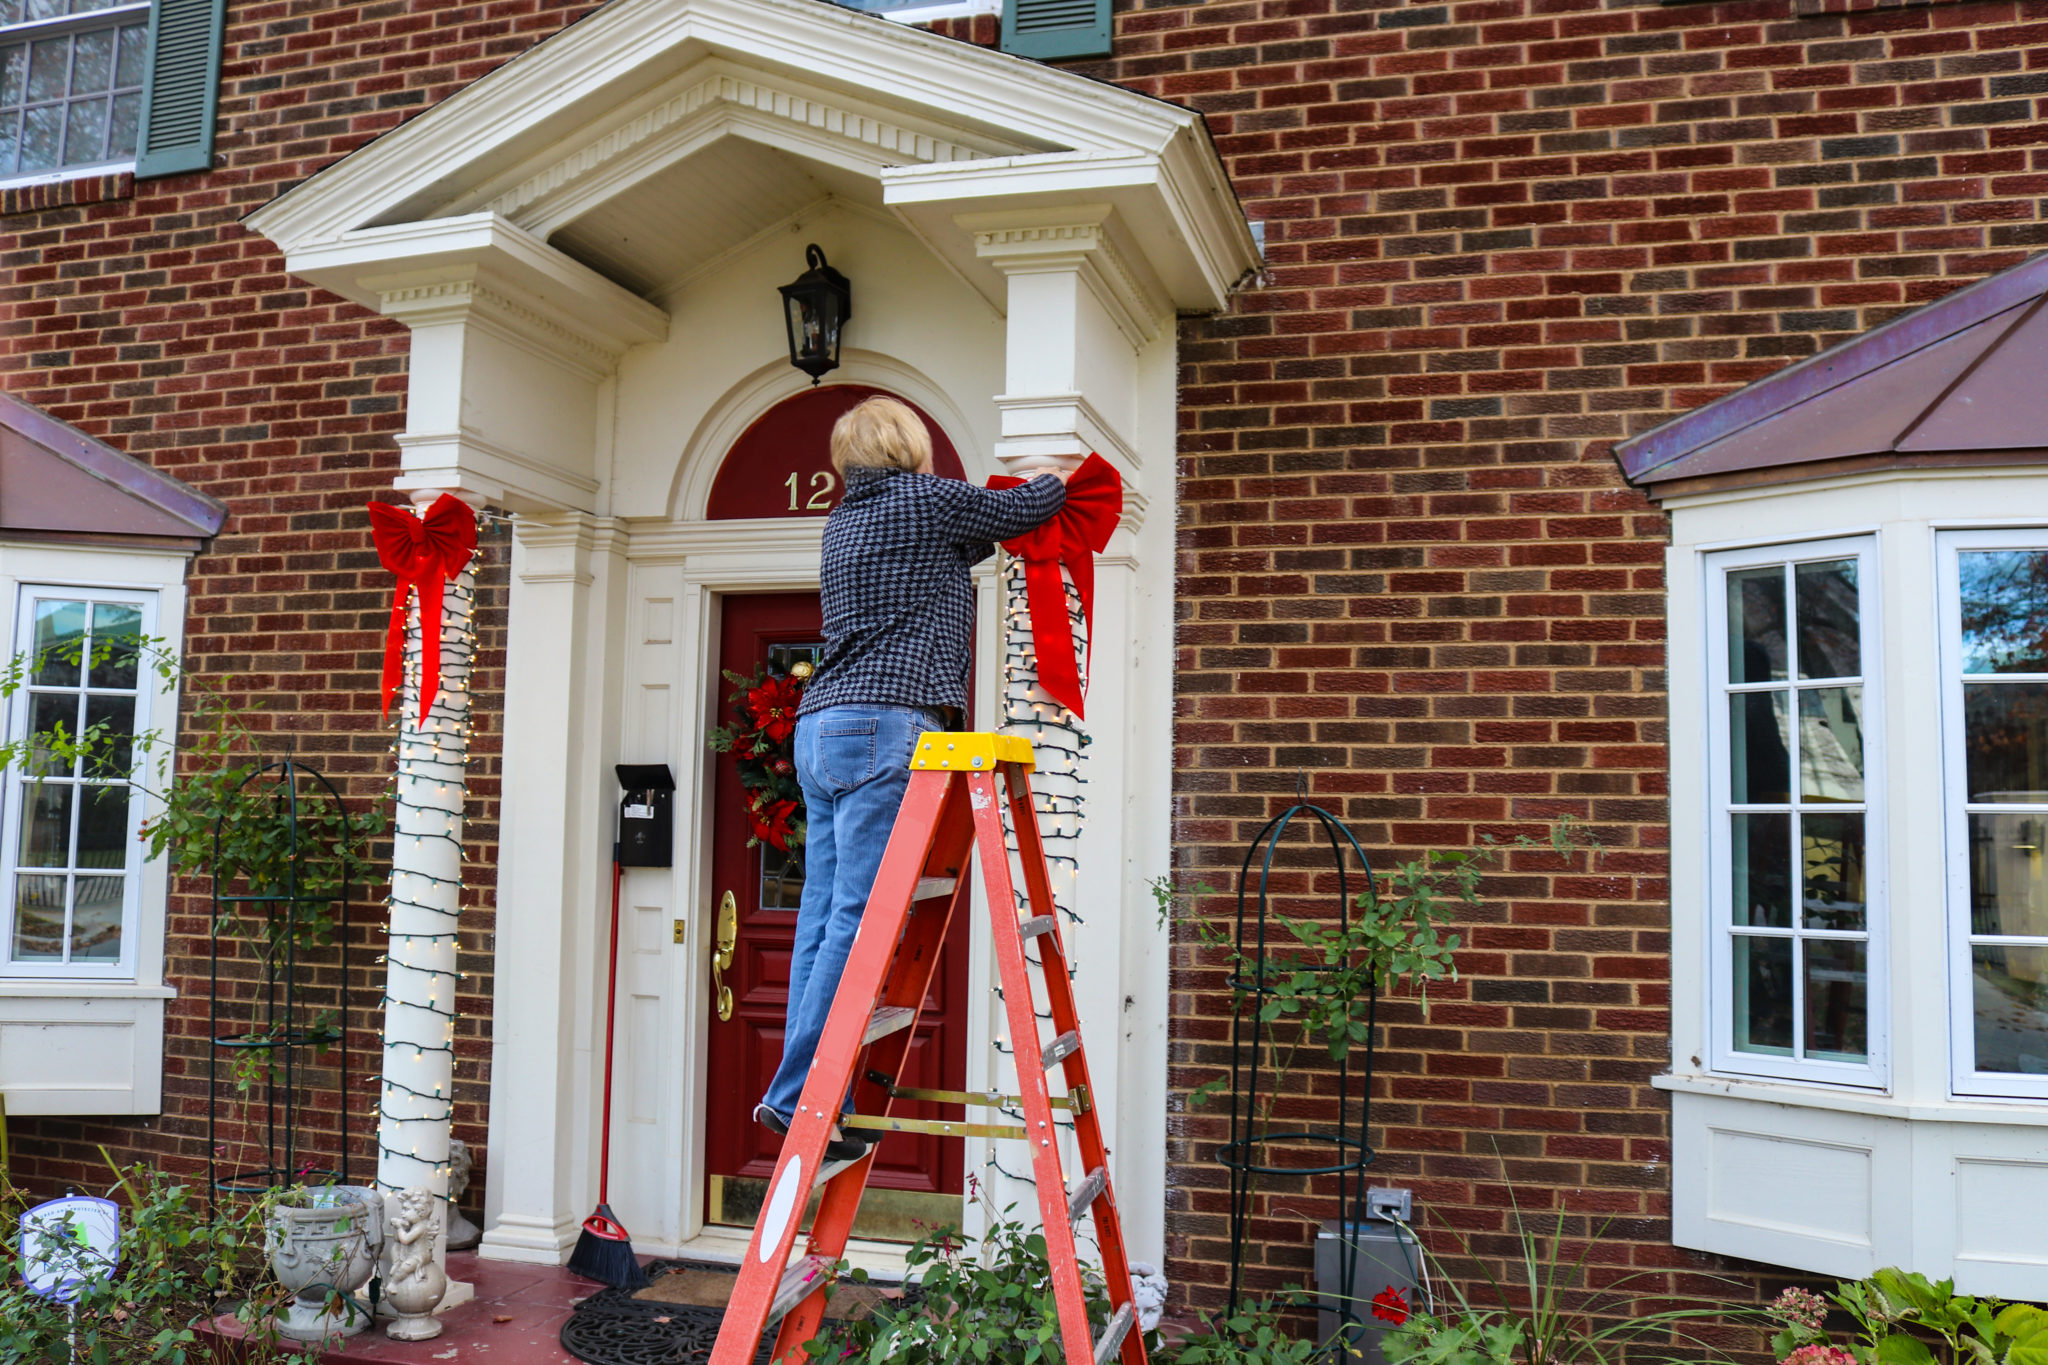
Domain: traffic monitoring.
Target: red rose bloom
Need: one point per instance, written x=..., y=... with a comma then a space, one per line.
x=773, y=705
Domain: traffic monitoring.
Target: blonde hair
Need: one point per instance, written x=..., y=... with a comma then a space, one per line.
x=880, y=433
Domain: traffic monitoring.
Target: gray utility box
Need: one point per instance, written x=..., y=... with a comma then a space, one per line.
x=1382, y=1260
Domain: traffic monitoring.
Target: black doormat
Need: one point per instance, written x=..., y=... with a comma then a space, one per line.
x=637, y=1327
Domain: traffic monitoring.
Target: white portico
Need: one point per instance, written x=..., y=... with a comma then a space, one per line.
x=586, y=246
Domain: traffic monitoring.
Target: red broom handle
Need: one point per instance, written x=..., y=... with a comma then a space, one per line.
x=611, y=1020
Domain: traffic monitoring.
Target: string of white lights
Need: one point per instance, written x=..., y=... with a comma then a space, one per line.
x=1059, y=742
x=416, y=1093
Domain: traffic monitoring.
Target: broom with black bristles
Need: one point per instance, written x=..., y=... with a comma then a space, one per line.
x=603, y=1250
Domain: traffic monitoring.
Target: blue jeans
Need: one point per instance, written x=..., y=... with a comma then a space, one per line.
x=853, y=763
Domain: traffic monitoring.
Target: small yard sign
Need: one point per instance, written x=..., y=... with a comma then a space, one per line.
x=67, y=1242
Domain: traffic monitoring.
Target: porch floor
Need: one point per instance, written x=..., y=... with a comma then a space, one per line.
x=515, y=1319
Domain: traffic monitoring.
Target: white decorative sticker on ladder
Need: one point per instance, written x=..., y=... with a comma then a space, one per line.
x=977, y=798
x=789, y=1187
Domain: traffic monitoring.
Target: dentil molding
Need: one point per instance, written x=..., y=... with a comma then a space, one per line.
x=1074, y=237
x=574, y=182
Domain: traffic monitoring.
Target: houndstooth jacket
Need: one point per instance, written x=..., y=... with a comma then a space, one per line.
x=899, y=605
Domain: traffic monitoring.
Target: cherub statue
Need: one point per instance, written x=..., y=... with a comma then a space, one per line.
x=412, y=1235
x=413, y=1281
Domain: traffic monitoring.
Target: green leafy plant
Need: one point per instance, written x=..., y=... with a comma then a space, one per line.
x=993, y=1303
x=178, y=1269
x=1904, y=1318
x=1326, y=979
x=1546, y=1314
x=1252, y=1335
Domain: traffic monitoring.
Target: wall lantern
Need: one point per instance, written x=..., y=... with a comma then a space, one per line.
x=816, y=305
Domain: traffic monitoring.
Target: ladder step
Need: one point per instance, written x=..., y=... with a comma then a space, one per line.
x=830, y=1169
x=799, y=1282
x=887, y=1020
x=1113, y=1335
x=1032, y=928
x=931, y=888
x=1090, y=1191
x=1061, y=1048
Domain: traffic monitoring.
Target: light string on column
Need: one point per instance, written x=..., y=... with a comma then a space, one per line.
x=1059, y=801
x=416, y=1100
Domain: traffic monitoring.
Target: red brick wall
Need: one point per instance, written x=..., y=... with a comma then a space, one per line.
x=146, y=315
x=1502, y=235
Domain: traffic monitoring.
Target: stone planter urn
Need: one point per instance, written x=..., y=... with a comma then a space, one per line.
x=323, y=1240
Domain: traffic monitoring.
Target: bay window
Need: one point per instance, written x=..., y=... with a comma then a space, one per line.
x=70, y=852
x=1798, y=943
x=1859, y=762
x=1993, y=589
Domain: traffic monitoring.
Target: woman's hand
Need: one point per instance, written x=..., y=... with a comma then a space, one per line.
x=1061, y=474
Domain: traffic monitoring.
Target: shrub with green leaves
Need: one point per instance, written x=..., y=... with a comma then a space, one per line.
x=994, y=1304
x=1904, y=1318
x=180, y=1265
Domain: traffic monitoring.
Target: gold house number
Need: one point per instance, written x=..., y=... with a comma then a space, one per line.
x=822, y=484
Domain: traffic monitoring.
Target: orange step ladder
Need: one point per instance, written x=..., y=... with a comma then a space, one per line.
x=951, y=807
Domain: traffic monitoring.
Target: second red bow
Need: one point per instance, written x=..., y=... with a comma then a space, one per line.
x=1072, y=537
x=422, y=553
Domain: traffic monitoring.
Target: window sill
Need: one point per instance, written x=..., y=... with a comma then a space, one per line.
x=2021, y=1113
x=67, y=189
x=47, y=988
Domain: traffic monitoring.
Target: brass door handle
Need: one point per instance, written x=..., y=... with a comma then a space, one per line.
x=728, y=934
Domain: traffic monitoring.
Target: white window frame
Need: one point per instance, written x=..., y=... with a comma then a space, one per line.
x=1874, y=1072
x=63, y=25
x=125, y=969
x=1965, y=1080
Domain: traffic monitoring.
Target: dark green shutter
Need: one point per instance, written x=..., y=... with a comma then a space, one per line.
x=184, y=81
x=1053, y=30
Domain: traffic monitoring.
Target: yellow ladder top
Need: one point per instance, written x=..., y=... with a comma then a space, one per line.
x=969, y=751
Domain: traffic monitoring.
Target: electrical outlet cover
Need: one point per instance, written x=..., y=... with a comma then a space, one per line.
x=1389, y=1205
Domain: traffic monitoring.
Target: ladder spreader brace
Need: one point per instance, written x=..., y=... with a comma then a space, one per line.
x=951, y=809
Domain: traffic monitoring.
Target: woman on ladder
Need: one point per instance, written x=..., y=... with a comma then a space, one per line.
x=899, y=640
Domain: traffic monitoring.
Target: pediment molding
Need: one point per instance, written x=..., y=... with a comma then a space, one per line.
x=712, y=100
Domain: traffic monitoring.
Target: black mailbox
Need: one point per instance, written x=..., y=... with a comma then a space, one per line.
x=647, y=821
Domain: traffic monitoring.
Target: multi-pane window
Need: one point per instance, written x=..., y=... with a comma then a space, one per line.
x=71, y=846
x=71, y=74
x=1796, y=841
x=1995, y=608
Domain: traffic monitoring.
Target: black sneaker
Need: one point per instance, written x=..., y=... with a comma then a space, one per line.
x=771, y=1120
x=848, y=1148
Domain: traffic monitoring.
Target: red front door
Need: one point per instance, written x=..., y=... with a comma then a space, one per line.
x=915, y=1177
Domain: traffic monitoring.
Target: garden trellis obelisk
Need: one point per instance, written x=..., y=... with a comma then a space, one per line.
x=430, y=652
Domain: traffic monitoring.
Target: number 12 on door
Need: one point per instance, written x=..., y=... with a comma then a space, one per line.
x=822, y=484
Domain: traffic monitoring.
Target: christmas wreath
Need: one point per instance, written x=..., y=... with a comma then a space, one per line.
x=763, y=739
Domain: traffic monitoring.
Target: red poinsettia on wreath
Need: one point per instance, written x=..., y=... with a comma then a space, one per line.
x=761, y=738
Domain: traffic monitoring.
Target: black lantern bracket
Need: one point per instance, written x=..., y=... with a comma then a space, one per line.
x=815, y=307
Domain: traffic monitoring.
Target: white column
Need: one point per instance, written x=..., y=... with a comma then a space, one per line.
x=417, y=1094
x=1078, y=317
x=554, y=875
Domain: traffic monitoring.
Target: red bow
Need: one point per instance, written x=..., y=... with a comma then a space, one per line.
x=422, y=552
x=1073, y=537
